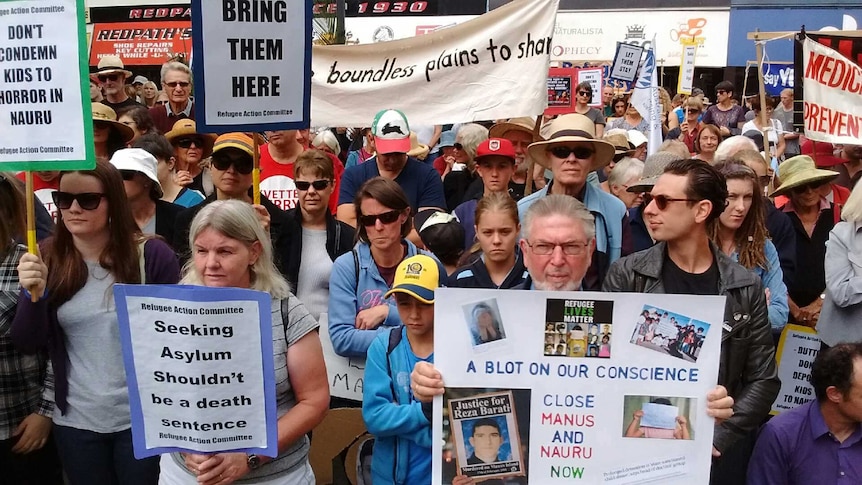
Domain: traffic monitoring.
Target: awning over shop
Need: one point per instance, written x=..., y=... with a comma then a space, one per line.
x=141, y=43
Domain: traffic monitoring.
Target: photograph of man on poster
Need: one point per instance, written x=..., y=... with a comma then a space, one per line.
x=486, y=440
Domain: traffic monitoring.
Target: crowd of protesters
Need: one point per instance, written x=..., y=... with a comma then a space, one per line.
x=564, y=203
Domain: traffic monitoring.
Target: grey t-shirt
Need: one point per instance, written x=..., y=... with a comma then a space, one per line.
x=314, y=270
x=98, y=397
x=595, y=116
x=791, y=147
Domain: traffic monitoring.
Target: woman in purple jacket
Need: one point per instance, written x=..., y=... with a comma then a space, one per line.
x=95, y=244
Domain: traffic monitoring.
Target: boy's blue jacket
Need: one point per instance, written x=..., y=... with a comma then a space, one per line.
x=389, y=412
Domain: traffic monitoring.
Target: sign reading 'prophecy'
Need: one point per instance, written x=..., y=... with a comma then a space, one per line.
x=499, y=62
x=561, y=385
x=832, y=87
x=45, y=118
x=199, y=364
x=252, y=64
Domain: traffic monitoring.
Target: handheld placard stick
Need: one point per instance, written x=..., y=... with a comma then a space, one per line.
x=528, y=189
x=32, y=246
x=255, y=174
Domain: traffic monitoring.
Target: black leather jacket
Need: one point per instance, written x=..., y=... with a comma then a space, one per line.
x=747, y=367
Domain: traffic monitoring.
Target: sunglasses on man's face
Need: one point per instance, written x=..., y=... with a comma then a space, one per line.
x=386, y=218
x=108, y=77
x=187, y=142
x=317, y=184
x=182, y=84
x=86, y=200
x=241, y=165
x=563, y=152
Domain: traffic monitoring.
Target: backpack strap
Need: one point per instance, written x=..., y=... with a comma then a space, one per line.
x=394, y=339
x=355, y=267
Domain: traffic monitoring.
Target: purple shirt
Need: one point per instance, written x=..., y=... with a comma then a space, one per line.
x=796, y=447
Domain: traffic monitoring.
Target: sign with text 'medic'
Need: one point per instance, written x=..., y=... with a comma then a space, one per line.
x=494, y=66
x=832, y=95
x=44, y=115
x=200, y=370
x=549, y=387
x=252, y=65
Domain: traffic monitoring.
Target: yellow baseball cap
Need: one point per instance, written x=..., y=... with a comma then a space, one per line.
x=417, y=276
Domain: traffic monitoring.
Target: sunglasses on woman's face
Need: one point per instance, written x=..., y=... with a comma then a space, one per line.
x=385, y=218
x=86, y=200
x=692, y=111
x=805, y=188
x=584, y=93
x=241, y=165
x=187, y=142
x=458, y=146
x=317, y=184
x=128, y=174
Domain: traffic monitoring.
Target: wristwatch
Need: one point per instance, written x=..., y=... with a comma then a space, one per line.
x=253, y=461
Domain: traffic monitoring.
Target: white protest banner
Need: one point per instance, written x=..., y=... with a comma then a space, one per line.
x=46, y=119
x=797, y=348
x=199, y=365
x=574, y=381
x=645, y=99
x=252, y=64
x=625, y=66
x=345, y=373
x=686, y=70
x=832, y=95
x=498, y=62
x=592, y=75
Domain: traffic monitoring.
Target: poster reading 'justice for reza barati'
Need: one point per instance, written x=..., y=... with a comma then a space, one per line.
x=550, y=387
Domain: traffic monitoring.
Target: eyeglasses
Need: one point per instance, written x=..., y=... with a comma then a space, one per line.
x=580, y=152
x=692, y=111
x=385, y=218
x=569, y=248
x=108, y=77
x=662, y=201
x=805, y=188
x=242, y=165
x=128, y=174
x=86, y=200
x=317, y=184
x=182, y=84
x=584, y=93
x=187, y=142
x=458, y=146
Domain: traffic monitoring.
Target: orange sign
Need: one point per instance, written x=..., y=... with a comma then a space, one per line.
x=141, y=43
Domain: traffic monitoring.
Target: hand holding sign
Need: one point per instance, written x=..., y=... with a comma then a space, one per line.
x=33, y=273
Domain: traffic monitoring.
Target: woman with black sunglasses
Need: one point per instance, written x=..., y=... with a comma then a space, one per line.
x=582, y=106
x=95, y=244
x=191, y=151
x=230, y=169
x=358, y=310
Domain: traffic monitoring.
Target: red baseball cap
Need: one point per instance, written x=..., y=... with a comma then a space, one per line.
x=495, y=147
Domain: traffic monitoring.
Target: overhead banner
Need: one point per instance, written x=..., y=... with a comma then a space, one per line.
x=45, y=117
x=832, y=102
x=498, y=61
x=252, y=65
x=199, y=364
x=797, y=348
x=346, y=374
x=546, y=387
x=141, y=43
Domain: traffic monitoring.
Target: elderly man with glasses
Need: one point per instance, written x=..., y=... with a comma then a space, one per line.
x=111, y=75
x=177, y=84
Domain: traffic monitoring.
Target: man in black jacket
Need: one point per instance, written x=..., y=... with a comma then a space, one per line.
x=685, y=198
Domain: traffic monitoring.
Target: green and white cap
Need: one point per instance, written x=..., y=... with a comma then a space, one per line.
x=391, y=132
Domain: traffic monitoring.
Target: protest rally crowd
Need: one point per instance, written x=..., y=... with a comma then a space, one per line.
x=364, y=223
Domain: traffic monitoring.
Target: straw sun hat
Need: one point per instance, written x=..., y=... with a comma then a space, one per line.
x=186, y=127
x=567, y=129
x=798, y=171
x=104, y=114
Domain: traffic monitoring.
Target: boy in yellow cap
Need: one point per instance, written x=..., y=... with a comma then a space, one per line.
x=401, y=424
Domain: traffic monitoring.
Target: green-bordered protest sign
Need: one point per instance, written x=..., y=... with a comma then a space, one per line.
x=45, y=116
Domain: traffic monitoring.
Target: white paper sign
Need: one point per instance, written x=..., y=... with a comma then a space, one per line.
x=832, y=95
x=594, y=77
x=498, y=61
x=795, y=354
x=570, y=384
x=45, y=119
x=199, y=363
x=686, y=70
x=625, y=66
x=345, y=374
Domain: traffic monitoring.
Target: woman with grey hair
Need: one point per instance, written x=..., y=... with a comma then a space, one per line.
x=841, y=315
x=625, y=173
x=231, y=249
x=460, y=168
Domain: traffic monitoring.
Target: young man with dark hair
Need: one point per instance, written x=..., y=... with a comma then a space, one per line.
x=685, y=198
x=486, y=440
x=821, y=441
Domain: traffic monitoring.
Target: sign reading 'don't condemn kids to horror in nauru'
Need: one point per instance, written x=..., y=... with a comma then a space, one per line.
x=45, y=118
x=252, y=64
x=547, y=387
x=199, y=365
x=797, y=348
x=832, y=87
x=498, y=62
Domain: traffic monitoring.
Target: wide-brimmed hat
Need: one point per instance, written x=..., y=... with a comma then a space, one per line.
x=525, y=124
x=620, y=142
x=653, y=168
x=417, y=150
x=417, y=276
x=104, y=113
x=567, y=129
x=139, y=160
x=186, y=127
x=109, y=64
x=798, y=171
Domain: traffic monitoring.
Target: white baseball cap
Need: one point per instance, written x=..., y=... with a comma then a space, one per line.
x=139, y=160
